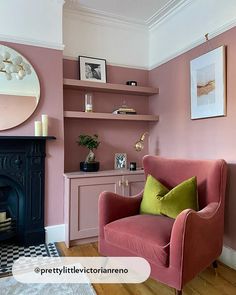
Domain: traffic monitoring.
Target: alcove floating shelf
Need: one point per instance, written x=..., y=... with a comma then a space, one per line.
x=108, y=116
x=109, y=87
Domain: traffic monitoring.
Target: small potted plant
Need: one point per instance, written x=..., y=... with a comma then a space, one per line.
x=90, y=142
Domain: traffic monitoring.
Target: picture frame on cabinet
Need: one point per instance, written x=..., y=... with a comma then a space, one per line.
x=208, y=84
x=120, y=161
x=92, y=69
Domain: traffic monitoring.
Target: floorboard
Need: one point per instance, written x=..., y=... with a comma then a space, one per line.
x=206, y=283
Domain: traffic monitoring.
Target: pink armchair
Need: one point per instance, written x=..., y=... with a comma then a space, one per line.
x=177, y=249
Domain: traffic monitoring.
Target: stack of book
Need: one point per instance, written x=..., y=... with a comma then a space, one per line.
x=124, y=110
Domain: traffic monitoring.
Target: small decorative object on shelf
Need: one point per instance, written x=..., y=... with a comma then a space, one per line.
x=124, y=109
x=92, y=69
x=38, y=128
x=127, y=111
x=88, y=102
x=90, y=142
x=45, y=125
x=132, y=83
x=132, y=166
x=120, y=161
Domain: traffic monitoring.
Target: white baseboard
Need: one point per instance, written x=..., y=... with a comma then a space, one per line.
x=55, y=233
x=228, y=257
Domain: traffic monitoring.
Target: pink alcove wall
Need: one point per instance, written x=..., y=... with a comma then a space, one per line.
x=115, y=136
x=176, y=135
x=48, y=65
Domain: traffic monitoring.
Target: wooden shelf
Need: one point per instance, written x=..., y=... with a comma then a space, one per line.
x=108, y=116
x=108, y=87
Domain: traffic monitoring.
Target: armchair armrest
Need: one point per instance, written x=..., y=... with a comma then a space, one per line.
x=112, y=206
x=196, y=239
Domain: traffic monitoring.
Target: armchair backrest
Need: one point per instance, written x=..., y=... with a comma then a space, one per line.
x=211, y=175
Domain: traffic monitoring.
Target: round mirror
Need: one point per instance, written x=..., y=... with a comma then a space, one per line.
x=19, y=88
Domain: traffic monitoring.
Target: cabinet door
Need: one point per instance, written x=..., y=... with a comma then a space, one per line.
x=133, y=184
x=84, y=204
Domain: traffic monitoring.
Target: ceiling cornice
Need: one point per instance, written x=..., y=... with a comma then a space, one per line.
x=97, y=16
x=171, y=7
x=74, y=7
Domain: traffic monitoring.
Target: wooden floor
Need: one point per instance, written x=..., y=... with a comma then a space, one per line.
x=206, y=283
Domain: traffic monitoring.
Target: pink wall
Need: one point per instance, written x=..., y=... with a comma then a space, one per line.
x=48, y=65
x=176, y=135
x=115, y=136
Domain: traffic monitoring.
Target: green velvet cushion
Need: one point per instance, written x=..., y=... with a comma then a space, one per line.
x=157, y=199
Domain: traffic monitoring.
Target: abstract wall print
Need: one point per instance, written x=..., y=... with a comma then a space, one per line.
x=208, y=85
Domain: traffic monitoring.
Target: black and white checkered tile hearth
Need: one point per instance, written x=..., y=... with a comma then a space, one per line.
x=10, y=252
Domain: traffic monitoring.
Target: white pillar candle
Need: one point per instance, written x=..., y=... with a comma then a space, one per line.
x=2, y=216
x=45, y=125
x=38, y=128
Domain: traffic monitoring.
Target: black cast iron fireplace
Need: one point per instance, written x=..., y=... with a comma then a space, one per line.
x=22, y=172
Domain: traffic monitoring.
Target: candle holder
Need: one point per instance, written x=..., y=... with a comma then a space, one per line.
x=88, y=102
x=132, y=166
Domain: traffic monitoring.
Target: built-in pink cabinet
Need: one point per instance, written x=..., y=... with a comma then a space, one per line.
x=81, y=199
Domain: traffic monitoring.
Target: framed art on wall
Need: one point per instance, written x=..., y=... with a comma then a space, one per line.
x=208, y=85
x=92, y=69
x=120, y=161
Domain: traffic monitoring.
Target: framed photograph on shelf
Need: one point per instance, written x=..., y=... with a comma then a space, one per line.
x=208, y=85
x=120, y=161
x=92, y=69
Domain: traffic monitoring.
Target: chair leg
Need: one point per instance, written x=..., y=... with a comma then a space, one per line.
x=178, y=292
x=215, y=266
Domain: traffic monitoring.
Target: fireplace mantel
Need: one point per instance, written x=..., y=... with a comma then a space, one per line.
x=27, y=137
x=22, y=166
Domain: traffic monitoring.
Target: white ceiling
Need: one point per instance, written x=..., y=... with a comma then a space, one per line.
x=137, y=11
